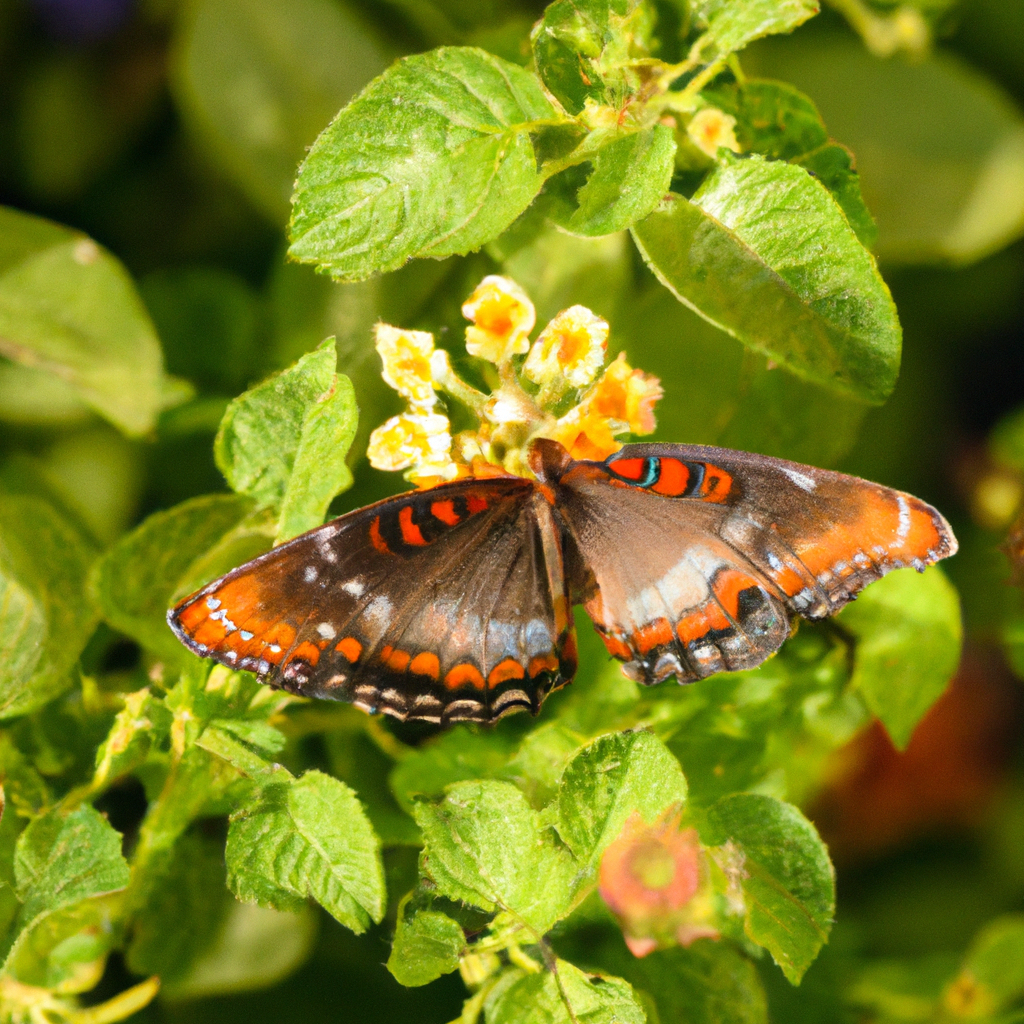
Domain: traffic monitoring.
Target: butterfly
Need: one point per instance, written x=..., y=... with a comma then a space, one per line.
x=455, y=602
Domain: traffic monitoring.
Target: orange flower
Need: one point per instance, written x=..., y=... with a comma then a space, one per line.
x=626, y=396
x=502, y=316
x=649, y=878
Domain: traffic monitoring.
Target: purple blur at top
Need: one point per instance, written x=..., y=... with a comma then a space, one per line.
x=82, y=21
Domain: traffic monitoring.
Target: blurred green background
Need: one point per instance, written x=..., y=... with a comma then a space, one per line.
x=170, y=132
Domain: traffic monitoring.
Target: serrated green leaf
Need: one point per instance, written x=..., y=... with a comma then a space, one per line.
x=320, y=472
x=937, y=122
x=781, y=123
x=46, y=617
x=729, y=26
x=68, y=307
x=764, y=252
x=308, y=837
x=630, y=178
x=426, y=945
x=186, y=902
x=787, y=879
x=609, y=780
x=284, y=425
x=138, y=579
x=259, y=80
x=486, y=846
x=62, y=858
x=432, y=158
x=541, y=999
x=908, y=634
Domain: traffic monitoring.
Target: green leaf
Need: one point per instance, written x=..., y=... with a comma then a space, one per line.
x=730, y=26
x=427, y=945
x=607, y=782
x=764, y=252
x=68, y=307
x=186, y=902
x=65, y=864
x=993, y=970
x=143, y=722
x=460, y=754
x=65, y=948
x=568, y=43
x=320, y=471
x=433, y=158
x=484, y=845
x=140, y=576
x=256, y=948
x=787, y=879
x=908, y=645
x=307, y=837
x=936, y=122
x=781, y=123
x=541, y=999
x=260, y=81
x=282, y=427
x=46, y=617
x=630, y=177
x=705, y=983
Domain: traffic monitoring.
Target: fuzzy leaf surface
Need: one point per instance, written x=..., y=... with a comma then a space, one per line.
x=433, y=158
x=308, y=837
x=630, y=177
x=486, y=846
x=425, y=946
x=608, y=781
x=764, y=252
x=594, y=998
x=787, y=879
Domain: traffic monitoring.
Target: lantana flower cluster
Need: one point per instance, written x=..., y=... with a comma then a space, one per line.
x=561, y=390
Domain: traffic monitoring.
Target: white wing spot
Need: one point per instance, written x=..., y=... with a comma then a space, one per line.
x=903, y=527
x=309, y=573
x=354, y=587
x=275, y=648
x=245, y=635
x=327, y=631
x=802, y=480
x=212, y=603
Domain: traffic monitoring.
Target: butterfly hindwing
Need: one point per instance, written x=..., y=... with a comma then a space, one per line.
x=443, y=605
x=691, y=559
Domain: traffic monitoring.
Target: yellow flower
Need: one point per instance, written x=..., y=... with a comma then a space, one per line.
x=502, y=316
x=573, y=345
x=412, y=440
x=406, y=357
x=712, y=128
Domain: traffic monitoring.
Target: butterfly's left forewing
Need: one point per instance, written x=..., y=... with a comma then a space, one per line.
x=442, y=605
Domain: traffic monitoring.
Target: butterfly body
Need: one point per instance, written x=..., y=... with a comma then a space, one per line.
x=454, y=603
